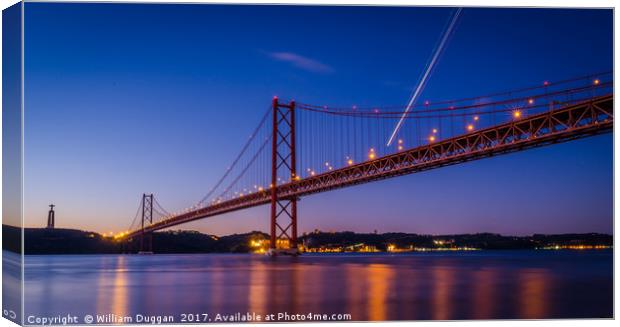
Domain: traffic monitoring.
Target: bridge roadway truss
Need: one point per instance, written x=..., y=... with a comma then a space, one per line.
x=588, y=118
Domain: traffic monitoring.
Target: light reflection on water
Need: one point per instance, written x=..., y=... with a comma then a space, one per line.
x=443, y=284
x=483, y=279
x=481, y=285
x=533, y=297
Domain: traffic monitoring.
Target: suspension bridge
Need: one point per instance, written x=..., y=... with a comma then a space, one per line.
x=300, y=149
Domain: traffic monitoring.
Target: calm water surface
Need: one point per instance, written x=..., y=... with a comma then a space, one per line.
x=470, y=285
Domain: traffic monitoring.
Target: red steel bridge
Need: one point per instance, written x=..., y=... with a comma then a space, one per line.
x=301, y=149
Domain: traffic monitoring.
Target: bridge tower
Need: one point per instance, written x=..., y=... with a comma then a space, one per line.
x=283, y=158
x=146, y=239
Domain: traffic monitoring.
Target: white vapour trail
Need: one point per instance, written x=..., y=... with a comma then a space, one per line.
x=424, y=79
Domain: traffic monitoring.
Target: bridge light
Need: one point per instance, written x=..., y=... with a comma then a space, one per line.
x=476, y=118
x=400, y=148
x=400, y=141
x=470, y=127
x=431, y=138
x=597, y=81
x=350, y=162
x=312, y=173
x=434, y=131
x=326, y=164
x=530, y=101
x=426, y=103
x=516, y=114
x=371, y=154
x=546, y=83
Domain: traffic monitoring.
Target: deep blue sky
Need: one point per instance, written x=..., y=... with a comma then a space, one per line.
x=124, y=99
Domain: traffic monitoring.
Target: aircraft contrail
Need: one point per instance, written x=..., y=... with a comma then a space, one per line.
x=429, y=69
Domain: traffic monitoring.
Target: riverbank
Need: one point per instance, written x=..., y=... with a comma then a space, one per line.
x=72, y=241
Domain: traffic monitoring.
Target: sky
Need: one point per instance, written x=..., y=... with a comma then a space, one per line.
x=123, y=99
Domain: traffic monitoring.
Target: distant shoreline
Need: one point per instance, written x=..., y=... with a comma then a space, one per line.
x=42, y=241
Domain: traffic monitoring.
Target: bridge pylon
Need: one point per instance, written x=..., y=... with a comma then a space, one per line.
x=283, y=159
x=146, y=239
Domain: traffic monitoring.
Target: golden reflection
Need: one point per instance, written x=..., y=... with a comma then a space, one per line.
x=257, y=294
x=443, y=279
x=484, y=293
x=119, y=288
x=534, y=288
x=380, y=279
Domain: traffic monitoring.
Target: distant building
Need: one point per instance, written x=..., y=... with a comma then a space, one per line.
x=50, y=217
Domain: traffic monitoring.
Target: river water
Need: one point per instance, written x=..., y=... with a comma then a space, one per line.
x=437, y=285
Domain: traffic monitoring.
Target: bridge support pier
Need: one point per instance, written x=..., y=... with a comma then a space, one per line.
x=283, y=158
